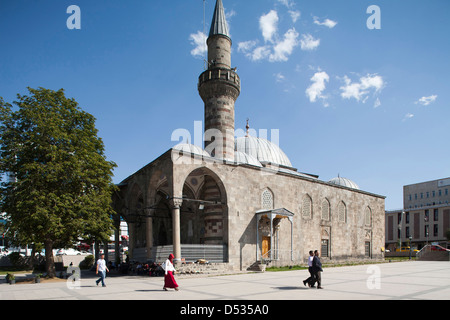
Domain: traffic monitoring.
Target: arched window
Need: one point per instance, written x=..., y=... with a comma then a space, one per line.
x=307, y=207
x=267, y=199
x=368, y=217
x=342, y=212
x=326, y=210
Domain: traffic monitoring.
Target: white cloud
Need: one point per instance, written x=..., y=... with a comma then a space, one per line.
x=284, y=48
x=308, y=42
x=295, y=15
x=275, y=49
x=260, y=53
x=327, y=23
x=318, y=85
x=199, y=41
x=287, y=3
x=246, y=46
x=408, y=116
x=425, y=101
x=268, y=25
x=377, y=103
x=279, y=77
x=360, y=90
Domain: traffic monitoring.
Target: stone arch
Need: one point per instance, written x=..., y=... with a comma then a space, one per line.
x=204, y=211
x=342, y=212
x=326, y=210
x=368, y=217
x=307, y=207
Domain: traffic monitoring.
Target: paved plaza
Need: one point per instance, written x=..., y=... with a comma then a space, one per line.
x=388, y=281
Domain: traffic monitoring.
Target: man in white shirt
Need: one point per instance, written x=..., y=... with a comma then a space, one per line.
x=102, y=268
x=311, y=279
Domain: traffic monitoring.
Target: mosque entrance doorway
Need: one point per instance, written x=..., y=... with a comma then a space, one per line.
x=265, y=247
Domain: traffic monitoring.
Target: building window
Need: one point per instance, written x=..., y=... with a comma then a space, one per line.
x=436, y=214
x=426, y=230
x=368, y=217
x=326, y=210
x=342, y=212
x=267, y=199
x=406, y=217
x=367, y=249
x=324, y=248
x=307, y=207
x=435, y=230
x=407, y=232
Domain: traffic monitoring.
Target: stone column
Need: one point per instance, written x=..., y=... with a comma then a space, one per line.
x=176, y=205
x=149, y=231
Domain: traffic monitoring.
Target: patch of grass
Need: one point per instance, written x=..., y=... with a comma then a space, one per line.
x=286, y=268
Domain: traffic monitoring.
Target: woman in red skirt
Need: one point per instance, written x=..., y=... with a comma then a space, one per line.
x=169, y=280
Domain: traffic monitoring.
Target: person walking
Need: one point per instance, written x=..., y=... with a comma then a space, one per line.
x=317, y=269
x=169, y=280
x=102, y=268
x=311, y=273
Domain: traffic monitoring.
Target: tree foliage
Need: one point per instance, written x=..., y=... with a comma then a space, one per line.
x=62, y=183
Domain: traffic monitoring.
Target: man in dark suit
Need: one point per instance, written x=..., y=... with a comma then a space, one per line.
x=317, y=269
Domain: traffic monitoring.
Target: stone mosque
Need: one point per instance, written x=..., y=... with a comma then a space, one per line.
x=239, y=201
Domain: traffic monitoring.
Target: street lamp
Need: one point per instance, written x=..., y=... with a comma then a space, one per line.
x=410, y=247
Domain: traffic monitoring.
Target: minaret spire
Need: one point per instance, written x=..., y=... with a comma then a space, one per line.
x=219, y=23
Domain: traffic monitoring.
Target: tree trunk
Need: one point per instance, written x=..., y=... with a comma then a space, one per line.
x=49, y=261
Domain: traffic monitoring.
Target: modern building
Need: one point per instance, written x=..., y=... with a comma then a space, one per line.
x=425, y=217
x=240, y=198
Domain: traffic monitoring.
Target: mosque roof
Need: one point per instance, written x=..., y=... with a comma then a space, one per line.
x=244, y=158
x=191, y=148
x=344, y=182
x=219, y=23
x=261, y=149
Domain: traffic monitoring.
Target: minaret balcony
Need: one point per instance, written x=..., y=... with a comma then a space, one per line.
x=227, y=76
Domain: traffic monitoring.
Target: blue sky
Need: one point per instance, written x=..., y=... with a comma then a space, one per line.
x=371, y=105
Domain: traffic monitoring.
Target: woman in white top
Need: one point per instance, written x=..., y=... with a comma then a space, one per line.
x=169, y=280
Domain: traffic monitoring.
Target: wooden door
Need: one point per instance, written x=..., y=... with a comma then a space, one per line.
x=265, y=247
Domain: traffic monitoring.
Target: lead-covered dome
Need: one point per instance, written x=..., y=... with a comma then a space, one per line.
x=344, y=182
x=188, y=148
x=261, y=149
x=244, y=158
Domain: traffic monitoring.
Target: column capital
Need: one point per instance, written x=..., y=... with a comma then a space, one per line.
x=176, y=203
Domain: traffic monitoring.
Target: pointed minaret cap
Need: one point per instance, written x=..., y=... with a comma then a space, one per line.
x=219, y=24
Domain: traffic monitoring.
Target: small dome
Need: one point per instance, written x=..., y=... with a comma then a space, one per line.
x=262, y=149
x=243, y=158
x=344, y=182
x=191, y=148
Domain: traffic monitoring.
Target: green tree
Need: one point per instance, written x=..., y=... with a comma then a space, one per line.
x=62, y=183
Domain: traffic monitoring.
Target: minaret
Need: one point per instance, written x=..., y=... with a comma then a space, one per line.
x=219, y=87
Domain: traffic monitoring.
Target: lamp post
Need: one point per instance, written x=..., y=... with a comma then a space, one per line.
x=410, y=248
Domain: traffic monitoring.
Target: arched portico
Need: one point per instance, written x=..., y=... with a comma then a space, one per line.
x=200, y=214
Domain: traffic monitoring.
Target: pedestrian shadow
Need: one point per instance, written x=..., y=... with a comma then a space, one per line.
x=290, y=288
x=150, y=290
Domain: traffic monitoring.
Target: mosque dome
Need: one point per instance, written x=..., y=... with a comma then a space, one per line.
x=244, y=158
x=261, y=149
x=344, y=182
x=191, y=148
